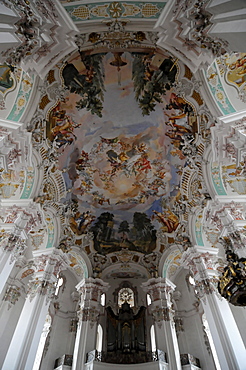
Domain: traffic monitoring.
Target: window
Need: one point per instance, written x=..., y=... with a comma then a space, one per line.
x=192, y=280
x=99, y=338
x=152, y=338
x=58, y=285
x=126, y=295
x=103, y=297
x=148, y=299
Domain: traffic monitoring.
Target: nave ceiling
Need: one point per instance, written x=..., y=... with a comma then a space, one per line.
x=120, y=143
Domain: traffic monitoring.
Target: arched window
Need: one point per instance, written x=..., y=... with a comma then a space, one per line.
x=103, y=297
x=59, y=283
x=126, y=295
x=192, y=280
x=152, y=338
x=148, y=299
x=99, y=338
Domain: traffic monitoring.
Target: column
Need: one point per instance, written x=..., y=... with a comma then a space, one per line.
x=13, y=246
x=160, y=290
x=23, y=347
x=20, y=217
x=10, y=310
x=224, y=331
x=90, y=290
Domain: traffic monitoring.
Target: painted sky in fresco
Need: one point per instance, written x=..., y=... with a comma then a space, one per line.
x=122, y=162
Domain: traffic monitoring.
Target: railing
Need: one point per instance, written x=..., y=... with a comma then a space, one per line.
x=113, y=357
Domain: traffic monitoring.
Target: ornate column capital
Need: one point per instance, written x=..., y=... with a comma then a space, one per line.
x=41, y=287
x=160, y=291
x=159, y=288
x=47, y=266
x=15, y=244
x=12, y=295
x=91, y=290
x=200, y=262
x=161, y=314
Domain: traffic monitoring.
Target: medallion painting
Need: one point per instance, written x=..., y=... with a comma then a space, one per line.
x=6, y=78
x=236, y=64
x=119, y=134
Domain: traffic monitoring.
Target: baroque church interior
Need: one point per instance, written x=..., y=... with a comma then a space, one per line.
x=122, y=184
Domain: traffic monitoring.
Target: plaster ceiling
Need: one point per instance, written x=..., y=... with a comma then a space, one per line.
x=120, y=128
x=121, y=136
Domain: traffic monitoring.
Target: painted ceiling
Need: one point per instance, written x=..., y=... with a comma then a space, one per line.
x=121, y=128
x=121, y=135
x=126, y=130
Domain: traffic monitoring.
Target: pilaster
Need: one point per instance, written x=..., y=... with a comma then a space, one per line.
x=23, y=347
x=12, y=248
x=225, y=334
x=161, y=290
x=90, y=290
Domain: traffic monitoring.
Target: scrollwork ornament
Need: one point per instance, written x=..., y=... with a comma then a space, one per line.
x=41, y=287
x=10, y=242
x=204, y=287
x=12, y=295
x=161, y=314
x=90, y=314
x=18, y=250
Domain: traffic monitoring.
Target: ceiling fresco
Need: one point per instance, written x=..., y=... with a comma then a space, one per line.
x=114, y=155
x=226, y=80
x=15, y=91
x=121, y=135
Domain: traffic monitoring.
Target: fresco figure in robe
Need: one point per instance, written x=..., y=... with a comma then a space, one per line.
x=169, y=220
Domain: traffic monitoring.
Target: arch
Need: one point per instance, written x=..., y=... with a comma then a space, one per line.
x=79, y=264
x=126, y=294
x=170, y=262
x=115, y=270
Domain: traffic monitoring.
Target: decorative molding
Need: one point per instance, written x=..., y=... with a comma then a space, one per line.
x=117, y=37
x=41, y=287
x=12, y=295
x=116, y=10
x=190, y=22
x=159, y=289
x=44, y=30
x=161, y=314
x=89, y=314
x=217, y=90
